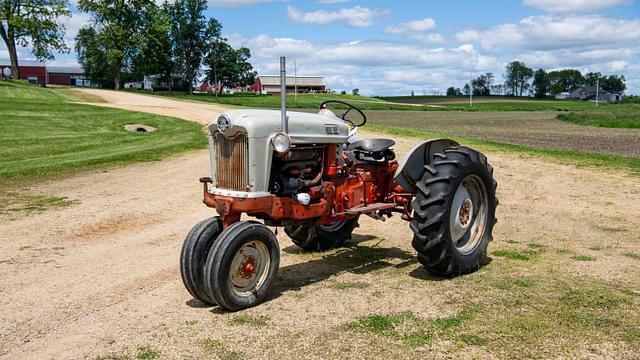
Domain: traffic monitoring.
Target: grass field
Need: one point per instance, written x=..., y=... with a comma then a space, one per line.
x=626, y=116
x=44, y=133
x=313, y=101
x=541, y=130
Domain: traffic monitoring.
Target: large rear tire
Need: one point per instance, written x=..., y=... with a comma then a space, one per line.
x=242, y=265
x=454, y=212
x=321, y=237
x=193, y=257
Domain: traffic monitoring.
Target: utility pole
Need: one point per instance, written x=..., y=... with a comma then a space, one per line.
x=295, y=80
x=471, y=95
x=597, y=90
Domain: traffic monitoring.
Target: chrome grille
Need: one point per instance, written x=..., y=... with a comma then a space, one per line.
x=232, y=162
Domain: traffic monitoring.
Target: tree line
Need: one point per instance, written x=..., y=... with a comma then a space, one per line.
x=127, y=40
x=520, y=80
x=130, y=39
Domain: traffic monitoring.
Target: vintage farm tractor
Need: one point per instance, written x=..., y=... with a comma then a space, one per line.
x=309, y=174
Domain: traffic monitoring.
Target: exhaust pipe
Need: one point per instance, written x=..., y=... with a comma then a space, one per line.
x=284, y=122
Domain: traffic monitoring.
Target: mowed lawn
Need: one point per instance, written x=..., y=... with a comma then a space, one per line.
x=45, y=132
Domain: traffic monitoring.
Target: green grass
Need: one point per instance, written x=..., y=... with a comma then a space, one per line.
x=513, y=254
x=578, y=158
x=632, y=255
x=627, y=116
x=147, y=353
x=348, y=285
x=249, y=320
x=584, y=258
x=453, y=321
x=13, y=202
x=305, y=101
x=43, y=135
x=217, y=348
x=313, y=101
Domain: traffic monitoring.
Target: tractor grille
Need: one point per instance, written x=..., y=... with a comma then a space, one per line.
x=232, y=162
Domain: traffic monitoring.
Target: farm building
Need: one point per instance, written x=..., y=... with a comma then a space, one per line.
x=33, y=71
x=590, y=92
x=38, y=73
x=270, y=84
x=67, y=75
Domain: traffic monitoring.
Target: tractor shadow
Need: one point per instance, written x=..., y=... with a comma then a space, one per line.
x=355, y=258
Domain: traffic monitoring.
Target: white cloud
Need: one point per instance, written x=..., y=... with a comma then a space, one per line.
x=574, y=5
x=551, y=32
x=354, y=17
x=228, y=3
x=332, y=1
x=412, y=27
x=373, y=66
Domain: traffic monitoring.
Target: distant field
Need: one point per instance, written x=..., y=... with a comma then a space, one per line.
x=313, y=101
x=435, y=99
x=305, y=101
x=43, y=132
x=535, y=129
x=627, y=116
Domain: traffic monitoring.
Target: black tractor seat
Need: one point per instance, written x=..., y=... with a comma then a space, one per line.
x=373, y=150
x=372, y=145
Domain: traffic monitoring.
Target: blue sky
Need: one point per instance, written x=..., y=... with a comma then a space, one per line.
x=394, y=47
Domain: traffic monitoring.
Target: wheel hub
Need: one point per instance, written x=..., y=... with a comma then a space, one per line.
x=468, y=214
x=249, y=267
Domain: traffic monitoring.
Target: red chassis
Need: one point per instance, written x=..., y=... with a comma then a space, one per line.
x=346, y=192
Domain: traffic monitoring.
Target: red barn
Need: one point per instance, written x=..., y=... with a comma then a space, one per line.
x=33, y=71
x=37, y=73
x=270, y=84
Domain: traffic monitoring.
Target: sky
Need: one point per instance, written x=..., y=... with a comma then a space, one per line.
x=385, y=47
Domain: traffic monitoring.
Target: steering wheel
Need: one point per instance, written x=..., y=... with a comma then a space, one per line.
x=350, y=107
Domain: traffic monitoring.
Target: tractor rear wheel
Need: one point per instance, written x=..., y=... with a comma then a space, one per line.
x=321, y=237
x=193, y=257
x=454, y=212
x=242, y=265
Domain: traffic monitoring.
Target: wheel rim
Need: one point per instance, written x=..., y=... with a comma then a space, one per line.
x=249, y=268
x=468, y=217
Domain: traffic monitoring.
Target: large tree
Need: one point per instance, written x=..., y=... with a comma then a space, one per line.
x=154, y=56
x=92, y=55
x=482, y=85
x=565, y=80
x=120, y=28
x=229, y=67
x=517, y=77
x=32, y=23
x=540, y=83
x=188, y=33
x=613, y=83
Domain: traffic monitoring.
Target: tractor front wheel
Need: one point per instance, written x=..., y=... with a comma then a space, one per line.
x=242, y=265
x=321, y=237
x=454, y=212
x=193, y=257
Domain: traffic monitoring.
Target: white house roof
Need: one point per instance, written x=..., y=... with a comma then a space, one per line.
x=65, y=69
x=274, y=80
x=6, y=62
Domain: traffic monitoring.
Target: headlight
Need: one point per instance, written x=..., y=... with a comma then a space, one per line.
x=281, y=142
x=224, y=123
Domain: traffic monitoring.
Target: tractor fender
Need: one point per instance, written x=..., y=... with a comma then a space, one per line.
x=412, y=166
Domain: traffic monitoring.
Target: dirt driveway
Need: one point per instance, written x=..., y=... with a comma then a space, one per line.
x=100, y=279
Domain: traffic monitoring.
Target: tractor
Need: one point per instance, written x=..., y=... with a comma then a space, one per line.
x=310, y=174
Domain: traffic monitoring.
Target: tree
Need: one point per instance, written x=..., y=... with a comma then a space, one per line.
x=120, y=27
x=93, y=56
x=452, y=91
x=613, y=83
x=188, y=33
x=154, y=56
x=226, y=65
x=355, y=91
x=565, y=80
x=517, y=77
x=591, y=78
x=540, y=83
x=482, y=85
x=32, y=22
x=467, y=89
